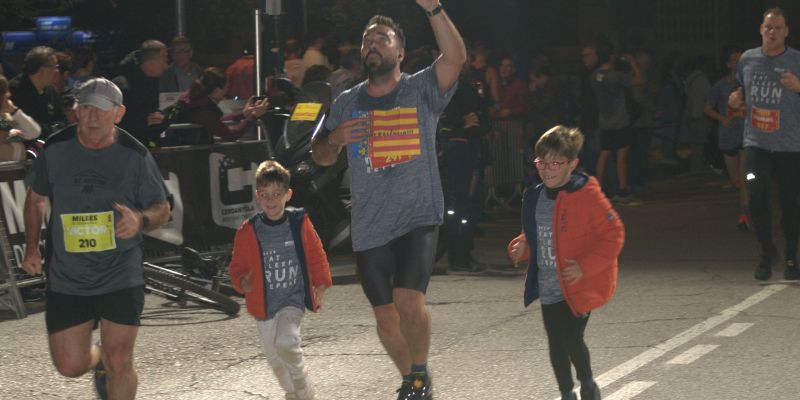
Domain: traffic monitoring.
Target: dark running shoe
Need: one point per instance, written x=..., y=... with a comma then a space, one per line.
x=101, y=381
x=591, y=392
x=792, y=272
x=764, y=268
x=422, y=386
x=569, y=396
x=406, y=392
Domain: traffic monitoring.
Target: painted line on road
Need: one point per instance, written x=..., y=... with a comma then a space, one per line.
x=693, y=354
x=660, y=349
x=734, y=329
x=630, y=390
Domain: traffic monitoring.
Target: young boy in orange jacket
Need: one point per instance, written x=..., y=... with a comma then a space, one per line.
x=279, y=264
x=572, y=237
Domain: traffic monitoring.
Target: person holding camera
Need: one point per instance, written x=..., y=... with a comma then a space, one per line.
x=199, y=105
x=616, y=135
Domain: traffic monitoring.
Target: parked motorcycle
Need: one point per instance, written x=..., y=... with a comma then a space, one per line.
x=295, y=117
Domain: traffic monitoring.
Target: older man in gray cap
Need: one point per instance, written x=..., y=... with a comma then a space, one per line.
x=104, y=189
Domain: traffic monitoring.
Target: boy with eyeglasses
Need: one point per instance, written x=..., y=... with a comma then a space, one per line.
x=280, y=266
x=572, y=237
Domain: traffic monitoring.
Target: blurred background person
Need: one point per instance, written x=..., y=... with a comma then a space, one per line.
x=84, y=61
x=178, y=77
x=33, y=90
x=139, y=82
x=15, y=126
x=730, y=132
x=199, y=106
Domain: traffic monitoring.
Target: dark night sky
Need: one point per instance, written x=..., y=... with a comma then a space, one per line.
x=520, y=27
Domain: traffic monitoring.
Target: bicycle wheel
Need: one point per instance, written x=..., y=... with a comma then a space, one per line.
x=181, y=290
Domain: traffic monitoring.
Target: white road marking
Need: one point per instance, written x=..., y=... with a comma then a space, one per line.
x=630, y=390
x=693, y=354
x=734, y=329
x=660, y=349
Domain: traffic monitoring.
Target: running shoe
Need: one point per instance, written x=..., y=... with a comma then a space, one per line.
x=101, y=381
x=421, y=386
x=792, y=272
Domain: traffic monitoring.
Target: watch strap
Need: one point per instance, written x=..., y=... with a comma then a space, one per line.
x=435, y=11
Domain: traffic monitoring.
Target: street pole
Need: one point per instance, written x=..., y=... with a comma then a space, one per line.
x=257, y=62
x=180, y=17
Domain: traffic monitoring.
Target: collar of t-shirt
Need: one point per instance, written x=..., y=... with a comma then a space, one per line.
x=553, y=193
x=270, y=222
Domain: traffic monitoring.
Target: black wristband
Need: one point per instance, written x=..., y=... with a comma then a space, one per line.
x=435, y=11
x=145, y=220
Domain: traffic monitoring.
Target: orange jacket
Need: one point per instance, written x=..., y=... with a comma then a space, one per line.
x=586, y=229
x=246, y=258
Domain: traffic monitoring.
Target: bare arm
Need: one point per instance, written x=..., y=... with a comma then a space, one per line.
x=34, y=210
x=454, y=54
x=325, y=148
x=132, y=222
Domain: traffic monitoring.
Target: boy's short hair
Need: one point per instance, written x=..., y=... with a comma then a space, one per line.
x=269, y=172
x=560, y=140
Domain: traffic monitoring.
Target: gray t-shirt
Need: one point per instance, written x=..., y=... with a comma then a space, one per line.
x=731, y=137
x=83, y=185
x=283, y=279
x=549, y=286
x=773, y=110
x=609, y=89
x=395, y=183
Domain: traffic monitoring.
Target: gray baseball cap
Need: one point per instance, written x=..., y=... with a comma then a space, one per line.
x=100, y=93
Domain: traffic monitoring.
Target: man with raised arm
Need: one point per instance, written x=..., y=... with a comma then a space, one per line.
x=388, y=124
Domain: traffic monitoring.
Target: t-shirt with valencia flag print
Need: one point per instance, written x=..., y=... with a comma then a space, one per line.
x=395, y=183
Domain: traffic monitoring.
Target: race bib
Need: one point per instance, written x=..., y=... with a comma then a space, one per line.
x=88, y=232
x=765, y=120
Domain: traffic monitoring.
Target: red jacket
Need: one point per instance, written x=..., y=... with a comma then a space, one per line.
x=246, y=258
x=586, y=229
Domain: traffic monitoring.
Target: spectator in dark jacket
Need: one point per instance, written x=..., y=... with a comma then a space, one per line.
x=141, y=70
x=33, y=90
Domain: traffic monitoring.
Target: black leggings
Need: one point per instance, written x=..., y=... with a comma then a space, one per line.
x=761, y=167
x=565, y=338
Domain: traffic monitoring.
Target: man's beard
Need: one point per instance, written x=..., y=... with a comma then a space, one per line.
x=380, y=70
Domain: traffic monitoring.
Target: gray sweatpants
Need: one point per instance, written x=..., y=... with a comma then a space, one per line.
x=281, y=338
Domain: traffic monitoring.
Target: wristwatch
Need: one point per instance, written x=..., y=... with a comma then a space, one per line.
x=435, y=11
x=145, y=220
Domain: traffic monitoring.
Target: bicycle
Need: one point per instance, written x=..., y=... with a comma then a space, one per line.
x=203, y=281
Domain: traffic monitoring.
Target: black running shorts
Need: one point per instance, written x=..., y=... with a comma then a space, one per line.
x=732, y=152
x=405, y=262
x=615, y=139
x=121, y=307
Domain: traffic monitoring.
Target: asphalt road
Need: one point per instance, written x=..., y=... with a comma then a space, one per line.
x=688, y=322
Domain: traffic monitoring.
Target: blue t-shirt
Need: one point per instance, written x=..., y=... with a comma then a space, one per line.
x=731, y=137
x=549, y=286
x=83, y=185
x=609, y=89
x=395, y=183
x=773, y=110
x=283, y=279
